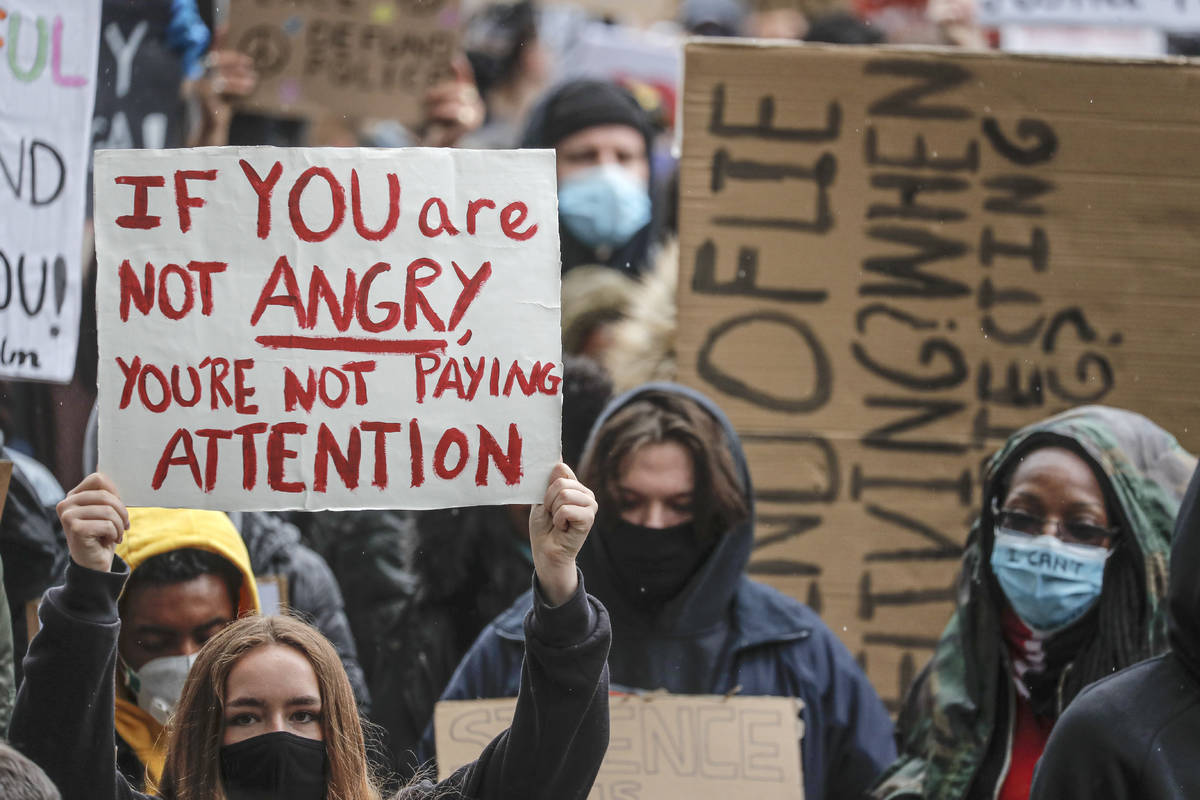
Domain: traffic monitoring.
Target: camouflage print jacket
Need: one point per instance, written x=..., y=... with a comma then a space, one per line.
x=962, y=703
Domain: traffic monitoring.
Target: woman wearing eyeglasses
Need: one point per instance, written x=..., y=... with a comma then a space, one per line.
x=1063, y=582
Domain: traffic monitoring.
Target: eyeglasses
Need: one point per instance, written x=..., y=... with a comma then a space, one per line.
x=1033, y=525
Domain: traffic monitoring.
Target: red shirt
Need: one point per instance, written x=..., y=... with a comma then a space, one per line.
x=1030, y=733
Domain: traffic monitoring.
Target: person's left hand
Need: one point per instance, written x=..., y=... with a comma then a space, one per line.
x=558, y=527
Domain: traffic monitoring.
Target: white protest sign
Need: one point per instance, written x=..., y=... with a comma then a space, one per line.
x=701, y=747
x=1181, y=15
x=328, y=328
x=47, y=87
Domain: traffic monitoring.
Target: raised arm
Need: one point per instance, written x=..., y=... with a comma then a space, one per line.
x=559, y=732
x=63, y=719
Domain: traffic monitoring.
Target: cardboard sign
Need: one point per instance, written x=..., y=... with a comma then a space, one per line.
x=892, y=265
x=661, y=746
x=6, y=470
x=1181, y=15
x=327, y=328
x=138, y=101
x=373, y=58
x=47, y=86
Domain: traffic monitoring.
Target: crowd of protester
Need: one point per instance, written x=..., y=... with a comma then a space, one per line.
x=1070, y=666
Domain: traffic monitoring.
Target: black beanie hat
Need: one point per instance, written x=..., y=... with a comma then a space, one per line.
x=586, y=103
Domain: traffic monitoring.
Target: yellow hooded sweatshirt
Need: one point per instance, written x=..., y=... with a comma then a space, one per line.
x=152, y=532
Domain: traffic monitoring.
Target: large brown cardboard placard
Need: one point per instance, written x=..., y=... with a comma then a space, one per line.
x=661, y=746
x=892, y=259
x=372, y=58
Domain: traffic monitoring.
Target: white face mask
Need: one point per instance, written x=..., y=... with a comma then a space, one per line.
x=158, y=685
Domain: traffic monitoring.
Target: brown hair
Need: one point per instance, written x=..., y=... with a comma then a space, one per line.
x=656, y=417
x=192, y=770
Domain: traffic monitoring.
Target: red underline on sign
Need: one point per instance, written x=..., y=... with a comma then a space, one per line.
x=354, y=344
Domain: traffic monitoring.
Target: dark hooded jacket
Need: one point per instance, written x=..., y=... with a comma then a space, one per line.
x=722, y=633
x=956, y=727
x=1137, y=734
x=634, y=256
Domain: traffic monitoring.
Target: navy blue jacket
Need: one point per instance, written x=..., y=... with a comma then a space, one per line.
x=723, y=631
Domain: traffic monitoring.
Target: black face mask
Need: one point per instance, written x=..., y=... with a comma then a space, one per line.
x=654, y=564
x=274, y=766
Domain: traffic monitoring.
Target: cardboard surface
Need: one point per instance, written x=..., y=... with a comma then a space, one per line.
x=893, y=259
x=47, y=89
x=6, y=469
x=366, y=328
x=661, y=746
x=374, y=58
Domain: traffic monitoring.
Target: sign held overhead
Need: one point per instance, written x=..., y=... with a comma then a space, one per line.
x=328, y=328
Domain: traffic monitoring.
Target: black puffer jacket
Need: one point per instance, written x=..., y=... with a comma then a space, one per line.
x=1136, y=735
x=312, y=591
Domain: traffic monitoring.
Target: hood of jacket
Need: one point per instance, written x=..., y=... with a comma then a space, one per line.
x=709, y=594
x=1143, y=472
x=268, y=538
x=1184, y=590
x=152, y=532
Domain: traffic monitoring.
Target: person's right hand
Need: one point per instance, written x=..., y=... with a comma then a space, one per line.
x=94, y=520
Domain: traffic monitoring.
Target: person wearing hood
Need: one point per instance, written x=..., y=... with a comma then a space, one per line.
x=1136, y=734
x=189, y=577
x=1062, y=584
x=668, y=557
x=603, y=141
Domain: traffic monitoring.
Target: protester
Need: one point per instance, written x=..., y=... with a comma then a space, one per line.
x=1136, y=734
x=267, y=711
x=842, y=27
x=594, y=300
x=21, y=779
x=669, y=556
x=603, y=140
x=312, y=591
x=421, y=585
x=1062, y=583
x=510, y=66
x=189, y=576
x=32, y=550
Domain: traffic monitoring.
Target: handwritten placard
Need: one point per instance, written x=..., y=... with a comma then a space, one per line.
x=328, y=328
x=888, y=269
x=47, y=87
x=661, y=746
x=375, y=58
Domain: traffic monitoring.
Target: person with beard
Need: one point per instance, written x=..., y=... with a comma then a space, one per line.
x=1062, y=584
x=267, y=712
x=603, y=140
x=1136, y=734
x=668, y=559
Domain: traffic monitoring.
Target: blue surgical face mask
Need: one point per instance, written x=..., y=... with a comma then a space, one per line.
x=603, y=206
x=1048, y=582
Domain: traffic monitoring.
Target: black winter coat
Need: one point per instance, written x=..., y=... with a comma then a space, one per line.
x=63, y=718
x=1136, y=735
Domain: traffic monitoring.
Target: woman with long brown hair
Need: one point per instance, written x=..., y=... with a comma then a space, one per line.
x=267, y=712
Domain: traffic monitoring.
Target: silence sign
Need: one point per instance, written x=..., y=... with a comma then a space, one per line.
x=328, y=328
